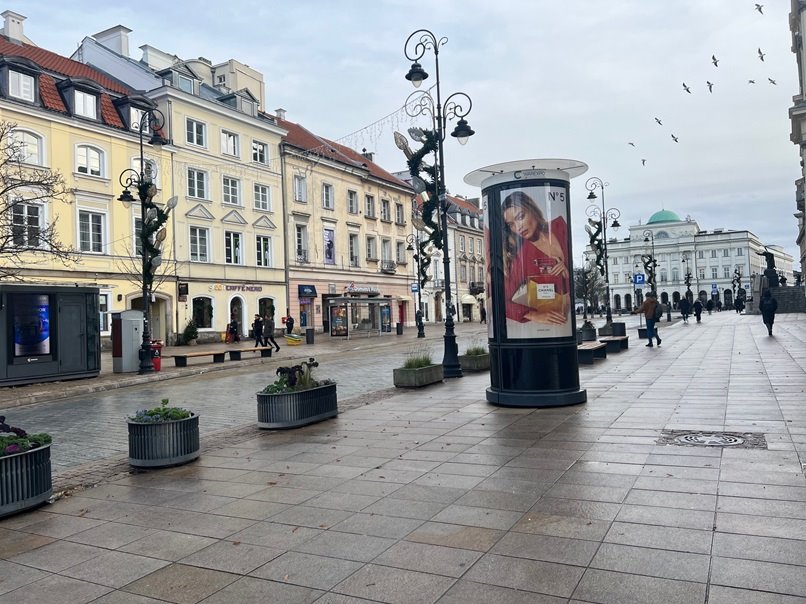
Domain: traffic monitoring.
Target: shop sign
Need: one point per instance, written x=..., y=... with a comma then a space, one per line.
x=306, y=291
x=221, y=287
x=361, y=289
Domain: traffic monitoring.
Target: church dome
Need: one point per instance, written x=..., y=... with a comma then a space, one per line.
x=663, y=216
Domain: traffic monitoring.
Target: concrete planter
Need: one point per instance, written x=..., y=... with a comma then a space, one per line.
x=294, y=409
x=417, y=378
x=619, y=328
x=588, y=334
x=25, y=480
x=475, y=362
x=159, y=445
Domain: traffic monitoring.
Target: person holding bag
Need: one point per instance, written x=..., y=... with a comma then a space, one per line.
x=653, y=312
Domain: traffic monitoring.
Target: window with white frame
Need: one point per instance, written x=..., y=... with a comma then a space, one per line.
x=230, y=144
x=203, y=312
x=386, y=210
x=199, y=244
x=233, y=247
x=21, y=86
x=701, y=272
x=615, y=278
x=714, y=272
x=91, y=232
x=300, y=188
x=262, y=197
x=329, y=246
x=461, y=243
x=197, y=183
x=400, y=248
x=26, y=224
x=739, y=251
x=138, y=242
x=663, y=275
x=301, y=242
x=89, y=160
x=263, y=249
x=86, y=105
x=327, y=197
x=726, y=253
x=463, y=272
x=104, y=315
x=400, y=218
x=232, y=190
x=27, y=147
x=185, y=84
x=700, y=255
x=260, y=152
x=135, y=117
x=195, y=132
x=675, y=275
x=369, y=206
x=726, y=272
x=353, y=245
x=713, y=253
x=614, y=260
x=372, y=248
x=352, y=202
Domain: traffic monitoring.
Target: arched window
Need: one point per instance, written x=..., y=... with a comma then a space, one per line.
x=628, y=301
x=89, y=160
x=265, y=306
x=203, y=312
x=27, y=147
x=617, y=301
x=676, y=299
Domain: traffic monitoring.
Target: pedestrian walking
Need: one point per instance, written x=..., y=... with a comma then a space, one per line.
x=289, y=324
x=232, y=331
x=709, y=306
x=697, y=308
x=652, y=311
x=268, y=332
x=768, y=306
x=257, y=330
x=685, y=309
x=483, y=314
x=719, y=306
x=739, y=305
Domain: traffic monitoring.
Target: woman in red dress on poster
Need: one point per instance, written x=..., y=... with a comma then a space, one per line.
x=536, y=284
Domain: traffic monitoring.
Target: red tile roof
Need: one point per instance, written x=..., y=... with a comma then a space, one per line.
x=51, y=98
x=109, y=113
x=52, y=62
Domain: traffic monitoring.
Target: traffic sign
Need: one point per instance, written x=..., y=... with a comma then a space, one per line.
x=415, y=287
x=714, y=288
x=639, y=279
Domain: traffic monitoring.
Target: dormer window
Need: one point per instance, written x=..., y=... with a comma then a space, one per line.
x=247, y=107
x=86, y=105
x=186, y=84
x=21, y=86
x=135, y=117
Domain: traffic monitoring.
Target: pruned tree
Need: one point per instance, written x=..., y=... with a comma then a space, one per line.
x=589, y=285
x=26, y=192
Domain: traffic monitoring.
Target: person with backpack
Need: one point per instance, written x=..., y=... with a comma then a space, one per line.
x=768, y=306
x=709, y=306
x=653, y=312
x=268, y=332
x=697, y=308
x=685, y=309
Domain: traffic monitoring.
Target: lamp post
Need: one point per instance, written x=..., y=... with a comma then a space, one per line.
x=414, y=240
x=687, y=279
x=652, y=264
x=585, y=269
x=152, y=218
x=457, y=105
x=602, y=216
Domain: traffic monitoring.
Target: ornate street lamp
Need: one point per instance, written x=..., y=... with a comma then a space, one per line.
x=651, y=263
x=414, y=244
x=689, y=295
x=599, y=218
x=152, y=218
x=457, y=105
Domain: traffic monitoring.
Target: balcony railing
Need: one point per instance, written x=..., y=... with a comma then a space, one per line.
x=389, y=267
x=438, y=284
x=354, y=261
x=476, y=288
x=302, y=256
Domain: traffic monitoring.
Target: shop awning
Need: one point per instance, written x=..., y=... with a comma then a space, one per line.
x=468, y=299
x=307, y=291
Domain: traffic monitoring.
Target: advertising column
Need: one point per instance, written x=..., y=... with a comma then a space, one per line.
x=531, y=321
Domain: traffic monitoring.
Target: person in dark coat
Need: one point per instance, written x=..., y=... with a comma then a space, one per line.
x=289, y=324
x=685, y=309
x=648, y=309
x=768, y=306
x=257, y=331
x=709, y=306
x=483, y=314
x=268, y=332
x=739, y=305
x=697, y=308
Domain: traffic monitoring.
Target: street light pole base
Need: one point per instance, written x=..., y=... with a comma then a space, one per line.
x=451, y=368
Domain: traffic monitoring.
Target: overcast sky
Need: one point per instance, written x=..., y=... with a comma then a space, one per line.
x=575, y=79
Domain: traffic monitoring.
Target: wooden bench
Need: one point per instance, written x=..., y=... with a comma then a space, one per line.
x=616, y=343
x=181, y=360
x=265, y=351
x=588, y=351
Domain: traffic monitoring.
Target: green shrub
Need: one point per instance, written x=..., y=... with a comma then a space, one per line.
x=476, y=351
x=295, y=378
x=418, y=360
x=18, y=440
x=161, y=414
x=191, y=332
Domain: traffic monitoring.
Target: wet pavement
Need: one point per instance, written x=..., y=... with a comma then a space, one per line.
x=435, y=496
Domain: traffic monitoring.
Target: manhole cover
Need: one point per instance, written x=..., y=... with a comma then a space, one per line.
x=687, y=438
x=710, y=440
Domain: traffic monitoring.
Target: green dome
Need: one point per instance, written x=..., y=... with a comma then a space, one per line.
x=663, y=216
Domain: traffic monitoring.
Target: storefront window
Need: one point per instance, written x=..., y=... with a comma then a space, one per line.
x=203, y=312
x=103, y=306
x=265, y=307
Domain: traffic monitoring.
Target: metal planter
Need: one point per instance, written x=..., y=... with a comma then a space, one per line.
x=417, y=378
x=25, y=480
x=158, y=445
x=295, y=409
x=475, y=362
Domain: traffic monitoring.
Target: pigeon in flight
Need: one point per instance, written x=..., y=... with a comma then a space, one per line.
x=761, y=55
x=674, y=138
x=773, y=82
x=710, y=86
x=643, y=162
x=751, y=81
x=714, y=60
x=631, y=144
x=660, y=123
x=759, y=7
x=686, y=88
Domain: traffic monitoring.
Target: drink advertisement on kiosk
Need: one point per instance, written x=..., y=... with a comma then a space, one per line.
x=338, y=321
x=31, y=324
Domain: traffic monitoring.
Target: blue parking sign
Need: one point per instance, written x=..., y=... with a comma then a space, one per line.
x=639, y=279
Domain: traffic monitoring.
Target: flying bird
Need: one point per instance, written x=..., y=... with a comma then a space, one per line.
x=643, y=162
x=773, y=82
x=761, y=55
x=714, y=60
x=751, y=81
x=660, y=123
x=674, y=138
x=759, y=7
x=686, y=88
x=631, y=144
x=710, y=86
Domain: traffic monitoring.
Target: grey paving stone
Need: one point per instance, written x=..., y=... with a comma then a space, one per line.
x=562, y=526
x=56, y=589
x=767, y=549
x=730, y=595
x=181, y=584
x=394, y=585
x=680, y=518
x=581, y=509
x=250, y=509
x=287, y=495
x=437, y=494
x=455, y=535
x=643, y=535
x=620, y=588
x=528, y=575
x=122, y=597
x=167, y=545
x=762, y=507
x=762, y=576
x=361, y=548
x=652, y=562
x=60, y=527
x=468, y=592
x=377, y=525
x=114, y=569
x=404, y=508
x=319, y=572
x=272, y=534
x=13, y=575
x=448, y=561
x=53, y=557
x=546, y=548
x=474, y=516
x=232, y=557
x=787, y=528
x=13, y=543
x=111, y=535
x=588, y=492
x=738, y=489
x=686, y=501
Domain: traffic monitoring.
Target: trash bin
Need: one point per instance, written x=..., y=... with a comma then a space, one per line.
x=156, y=354
x=309, y=335
x=399, y=329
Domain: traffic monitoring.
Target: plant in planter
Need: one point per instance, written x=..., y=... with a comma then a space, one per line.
x=475, y=358
x=163, y=436
x=296, y=398
x=418, y=370
x=190, y=334
x=588, y=331
x=25, y=476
